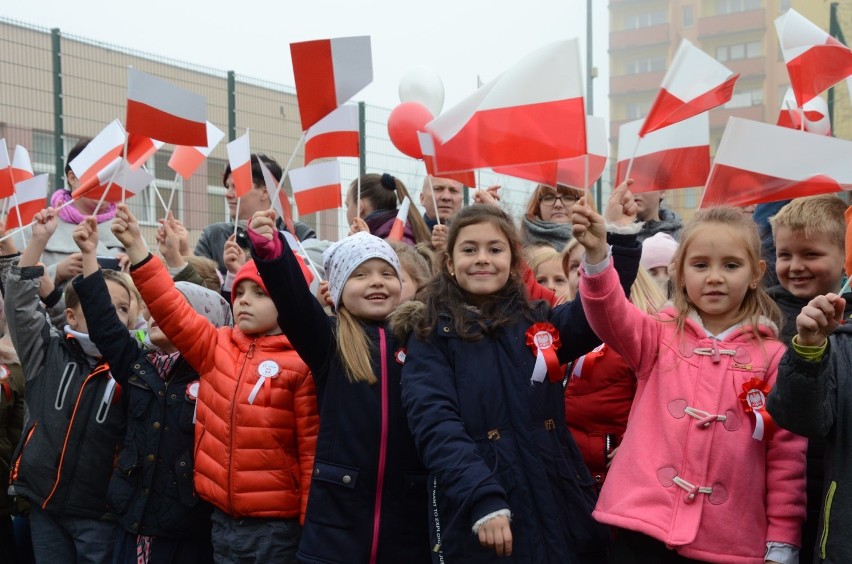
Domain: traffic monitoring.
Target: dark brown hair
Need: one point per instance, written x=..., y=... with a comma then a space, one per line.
x=384, y=192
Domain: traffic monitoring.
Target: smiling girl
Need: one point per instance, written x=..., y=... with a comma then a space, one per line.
x=700, y=470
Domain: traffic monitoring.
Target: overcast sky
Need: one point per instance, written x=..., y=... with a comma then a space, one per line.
x=459, y=39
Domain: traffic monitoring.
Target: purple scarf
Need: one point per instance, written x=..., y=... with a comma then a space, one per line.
x=70, y=213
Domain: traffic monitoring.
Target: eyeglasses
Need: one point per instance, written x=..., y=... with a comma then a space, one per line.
x=564, y=199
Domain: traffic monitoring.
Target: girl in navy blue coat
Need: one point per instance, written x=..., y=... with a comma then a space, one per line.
x=482, y=386
x=367, y=502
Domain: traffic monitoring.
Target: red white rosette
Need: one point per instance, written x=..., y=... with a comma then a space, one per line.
x=753, y=399
x=543, y=341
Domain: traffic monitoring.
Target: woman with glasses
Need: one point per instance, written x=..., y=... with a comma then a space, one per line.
x=547, y=221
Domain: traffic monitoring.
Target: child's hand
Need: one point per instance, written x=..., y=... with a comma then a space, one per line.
x=45, y=284
x=126, y=230
x=358, y=225
x=323, y=295
x=45, y=224
x=489, y=196
x=621, y=208
x=263, y=223
x=182, y=235
x=233, y=256
x=590, y=230
x=169, y=241
x=86, y=235
x=819, y=319
x=497, y=535
x=7, y=245
x=69, y=267
x=439, y=237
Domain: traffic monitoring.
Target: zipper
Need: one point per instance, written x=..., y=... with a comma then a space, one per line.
x=15, y=468
x=383, y=446
x=826, y=515
x=98, y=370
x=249, y=354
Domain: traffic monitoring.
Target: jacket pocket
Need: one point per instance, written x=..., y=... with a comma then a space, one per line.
x=333, y=496
x=183, y=476
x=125, y=481
x=826, y=517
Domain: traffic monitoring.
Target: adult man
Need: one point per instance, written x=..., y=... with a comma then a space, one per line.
x=448, y=197
x=211, y=244
x=657, y=218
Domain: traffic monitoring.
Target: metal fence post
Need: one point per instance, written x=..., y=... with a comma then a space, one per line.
x=362, y=138
x=232, y=106
x=58, y=126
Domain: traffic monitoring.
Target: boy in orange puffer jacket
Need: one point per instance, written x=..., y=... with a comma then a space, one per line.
x=257, y=419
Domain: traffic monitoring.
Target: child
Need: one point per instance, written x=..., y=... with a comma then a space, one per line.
x=256, y=408
x=809, y=254
x=153, y=496
x=414, y=267
x=368, y=495
x=547, y=267
x=75, y=421
x=699, y=470
x=377, y=207
x=600, y=390
x=657, y=253
x=486, y=406
x=572, y=255
x=812, y=398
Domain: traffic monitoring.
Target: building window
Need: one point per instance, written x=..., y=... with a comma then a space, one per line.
x=739, y=51
x=637, y=110
x=724, y=7
x=148, y=205
x=687, y=16
x=746, y=99
x=645, y=19
x=648, y=64
x=783, y=6
x=217, y=206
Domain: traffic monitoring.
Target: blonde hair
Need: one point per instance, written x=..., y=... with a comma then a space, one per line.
x=756, y=302
x=413, y=261
x=207, y=270
x=540, y=258
x=354, y=348
x=534, y=205
x=566, y=267
x=816, y=214
x=646, y=294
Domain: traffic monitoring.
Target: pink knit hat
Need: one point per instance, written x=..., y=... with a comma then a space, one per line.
x=657, y=251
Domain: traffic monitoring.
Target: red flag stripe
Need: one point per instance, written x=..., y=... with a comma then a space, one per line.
x=670, y=109
x=732, y=186
x=28, y=211
x=313, y=69
x=817, y=69
x=332, y=144
x=682, y=167
x=241, y=176
x=185, y=160
x=157, y=124
x=318, y=199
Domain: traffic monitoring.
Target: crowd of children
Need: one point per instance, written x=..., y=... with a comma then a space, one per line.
x=458, y=397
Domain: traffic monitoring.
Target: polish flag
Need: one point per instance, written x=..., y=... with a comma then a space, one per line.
x=22, y=167
x=281, y=203
x=316, y=187
x=161, y=110
x=758, y=162
x=7, y=185
x=815, y=60
x=398, y=228
x=578, y=172
x=186, y=159
x=335, y=135
x=815, y=114
x=119, y=177
x=427, y=149
x=101, y=151
x=239, y=157
x=695, y=83
x=29, y=199
x=328, y=72
x=140, y=149
x=677, y=156
x=532, y=113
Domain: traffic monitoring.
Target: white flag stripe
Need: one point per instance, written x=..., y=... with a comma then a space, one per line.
x=344, y=118
x=427, y=144
x=782, y=152
x=239, y=151
x=596, y=141
x=214, y=135
x=32, y=189
x=549, y=74
x=797, y=34
x=4, y=154
x=158, y=93
x=21, y=159
x=108, y=139
x=348, y=56
x=693, y=73
x=323, y=174
x=692, y=132
x=402, y=214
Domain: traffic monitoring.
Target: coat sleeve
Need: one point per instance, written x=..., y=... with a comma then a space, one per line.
x=430, y=399
x=307, y=429
x=28, y=324
x=300, y=316
x=785, y=478
x=609, y=312
x=189, y=331
x=106, y=330
x=804, y=398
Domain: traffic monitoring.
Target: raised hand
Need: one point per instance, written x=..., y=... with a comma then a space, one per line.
x=489, y=196
x=45, y=224
x=169, y=241
x=621, y=208
x=86, y=236
x=126, y=229
x=69, y=267
x=263, y=223
x=233, y=255
x=590, y=230
x=819, y=319
x=439, y=237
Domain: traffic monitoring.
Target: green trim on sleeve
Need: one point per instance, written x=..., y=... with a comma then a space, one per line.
x=812, y=354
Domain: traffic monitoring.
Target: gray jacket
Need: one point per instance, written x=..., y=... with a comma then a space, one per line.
x=814, y=399
x=73, y=425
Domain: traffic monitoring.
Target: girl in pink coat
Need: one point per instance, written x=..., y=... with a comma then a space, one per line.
x=702, y=470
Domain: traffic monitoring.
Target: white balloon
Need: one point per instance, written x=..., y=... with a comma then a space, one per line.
x=423, y=85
